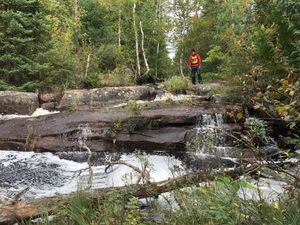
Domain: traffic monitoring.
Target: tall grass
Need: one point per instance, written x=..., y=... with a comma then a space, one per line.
x=177, y=84
x=216, y=203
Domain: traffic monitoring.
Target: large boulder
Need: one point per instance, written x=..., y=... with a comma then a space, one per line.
x=86, y=99
x=203, y=89
x=154, y=129
x=18, y=102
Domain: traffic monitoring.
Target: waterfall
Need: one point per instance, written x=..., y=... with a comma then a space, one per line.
x=210, y=135
x=84, y=133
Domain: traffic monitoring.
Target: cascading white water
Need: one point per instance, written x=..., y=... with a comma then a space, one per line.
x=47, y=174
x=210, y=135
x=84, y=133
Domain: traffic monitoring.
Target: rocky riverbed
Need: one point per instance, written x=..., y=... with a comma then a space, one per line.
x=47, y=150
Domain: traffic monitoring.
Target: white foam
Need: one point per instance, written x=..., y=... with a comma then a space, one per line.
x=267, y=189
x=36, y=113
x=42, y=112
x=77, y=173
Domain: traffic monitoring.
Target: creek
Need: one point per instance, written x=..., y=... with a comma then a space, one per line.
x=46, y=155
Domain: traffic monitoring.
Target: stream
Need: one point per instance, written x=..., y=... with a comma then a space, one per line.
x=50, y=174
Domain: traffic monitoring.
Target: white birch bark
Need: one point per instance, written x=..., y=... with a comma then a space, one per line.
x=143, y=50
x=138, y=65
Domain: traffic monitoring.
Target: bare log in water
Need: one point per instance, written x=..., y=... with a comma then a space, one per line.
x=13, y=211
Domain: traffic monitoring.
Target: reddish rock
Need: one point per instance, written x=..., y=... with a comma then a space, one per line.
x=155, y=129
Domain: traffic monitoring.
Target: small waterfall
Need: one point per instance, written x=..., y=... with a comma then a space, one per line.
x=210, y=138
x=84, y=133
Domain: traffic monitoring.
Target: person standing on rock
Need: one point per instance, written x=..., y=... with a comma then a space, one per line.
x=195, y=66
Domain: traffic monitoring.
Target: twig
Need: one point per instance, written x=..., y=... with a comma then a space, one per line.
x=90, y=180
x=143, y=172
x=17, y=195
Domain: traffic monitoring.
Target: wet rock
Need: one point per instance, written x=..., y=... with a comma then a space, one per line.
x=154, y=129
x=88, y=99
x=47, y=97
x=18, y=102
x=203, y=89
x=50, y=106
x=269, y=150
x=167, y=138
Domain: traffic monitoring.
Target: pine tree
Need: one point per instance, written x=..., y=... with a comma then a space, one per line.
x=23, y=38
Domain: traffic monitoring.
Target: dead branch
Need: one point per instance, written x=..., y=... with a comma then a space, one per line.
x=13, y=211
x=90, y=180
x=143, y=172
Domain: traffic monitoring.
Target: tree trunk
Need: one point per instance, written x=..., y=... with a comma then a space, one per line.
x=158, y=13
x=138, y=65
x=157, y=54
x=77, y=24
x=13, y=211
x=181, y=65
x=87, y=66
x=143, y=50
x=119, y=26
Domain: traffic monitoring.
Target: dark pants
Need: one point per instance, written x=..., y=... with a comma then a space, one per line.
x=196, y=75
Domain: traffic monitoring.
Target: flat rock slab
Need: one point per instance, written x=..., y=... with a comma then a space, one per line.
x=12, y=102
x=94, y=98
x=203, y=89
x=163, y=128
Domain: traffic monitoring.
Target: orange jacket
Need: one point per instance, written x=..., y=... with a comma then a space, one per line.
x=195, y=60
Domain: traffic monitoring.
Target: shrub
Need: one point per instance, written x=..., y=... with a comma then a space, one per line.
x=121, y=76
x=92, y=81
x=6, y=87
x=209, y=76
x=219, y=203
x=177, y=84
x=31, y=86
x=109, y=56
x=87, y=209
x=133, y=108
x=257, y=127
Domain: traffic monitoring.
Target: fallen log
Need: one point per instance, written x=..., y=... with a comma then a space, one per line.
x=13, y=211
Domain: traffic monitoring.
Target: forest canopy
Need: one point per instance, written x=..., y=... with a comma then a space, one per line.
x=63, y=44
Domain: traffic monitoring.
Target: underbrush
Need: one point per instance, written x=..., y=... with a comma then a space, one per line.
x=216, y=203
x=229, y=94
x=121, y=76
x=219, y=203
x=177, y=84
x=211, y=77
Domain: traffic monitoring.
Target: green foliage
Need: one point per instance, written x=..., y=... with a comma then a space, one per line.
x=133, y=108
x=64, y=44
x=115, y=127
x=176, y=84
x=257, y=127
x=194, y=143
x=87, y=209
x=214, y=54
x=229, y=94
x=209, y=76
x=92, y=80
x=109, y=57
x=254, y=44
x=23, y=37
x=7, y=87
x=218, y=203
x=121, y=76
x=95, y=23
x=32, y=86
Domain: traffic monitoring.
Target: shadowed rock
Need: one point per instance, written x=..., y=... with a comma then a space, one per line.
x=95, y=98
x=163, y=128
x=18, y=102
